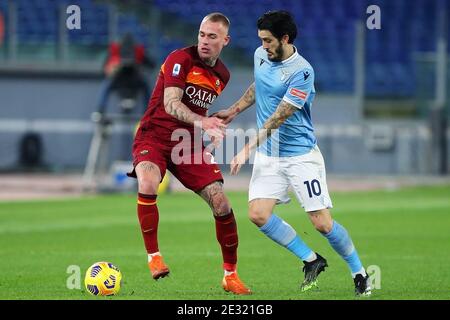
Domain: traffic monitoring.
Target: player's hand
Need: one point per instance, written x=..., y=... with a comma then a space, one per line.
x=238, y=161
x=226, y=115
x=214, y=128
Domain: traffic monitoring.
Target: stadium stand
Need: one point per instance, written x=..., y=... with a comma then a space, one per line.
x=326, y=35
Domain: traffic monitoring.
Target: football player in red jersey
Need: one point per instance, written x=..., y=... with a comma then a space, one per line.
x=188, y=83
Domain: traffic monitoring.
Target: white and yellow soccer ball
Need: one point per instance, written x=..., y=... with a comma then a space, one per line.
x=103, y=279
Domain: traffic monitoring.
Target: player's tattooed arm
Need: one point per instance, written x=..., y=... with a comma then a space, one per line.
x=215, y=197
x=213, y=126
x=281, y=114
x=283, y=111
x=176, y=108
x=246, y=101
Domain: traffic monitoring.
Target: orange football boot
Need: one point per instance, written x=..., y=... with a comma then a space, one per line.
x=233, y=284
x=158, y=268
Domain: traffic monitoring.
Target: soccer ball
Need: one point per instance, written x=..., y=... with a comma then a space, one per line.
x=103, y=279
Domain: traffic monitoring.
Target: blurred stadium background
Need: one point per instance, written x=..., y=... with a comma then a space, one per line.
x=381, y=111
x=381, y=115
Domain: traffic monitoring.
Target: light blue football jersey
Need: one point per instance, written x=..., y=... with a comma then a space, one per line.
x=291, y=80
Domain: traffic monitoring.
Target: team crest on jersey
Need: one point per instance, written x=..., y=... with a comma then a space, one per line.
x=217, y=83
x=176, y=69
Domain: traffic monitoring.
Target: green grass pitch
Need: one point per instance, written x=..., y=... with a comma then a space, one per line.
x=406, y=233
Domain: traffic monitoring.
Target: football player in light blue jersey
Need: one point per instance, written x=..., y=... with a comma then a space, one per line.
x=287, y=153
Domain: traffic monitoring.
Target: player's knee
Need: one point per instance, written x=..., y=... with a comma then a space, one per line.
x=257, y=217
x=221, y=206
x=321, y=220
x=148, y=184
x=323, y=225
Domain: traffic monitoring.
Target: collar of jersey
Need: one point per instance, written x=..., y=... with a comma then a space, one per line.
x=294, y=55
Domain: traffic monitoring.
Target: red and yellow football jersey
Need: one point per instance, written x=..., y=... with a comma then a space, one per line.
x=201, y=84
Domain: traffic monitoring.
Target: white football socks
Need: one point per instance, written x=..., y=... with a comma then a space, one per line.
x=151, y=255
x=227, y=273
x=311, y=257
x=362, y=272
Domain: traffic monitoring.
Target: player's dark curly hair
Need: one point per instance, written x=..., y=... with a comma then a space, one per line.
x=278, y=23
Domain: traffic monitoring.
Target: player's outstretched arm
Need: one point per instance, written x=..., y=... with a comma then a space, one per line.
x=284, y=111
x=172, y=104
x=246, y=101
x=176, y=108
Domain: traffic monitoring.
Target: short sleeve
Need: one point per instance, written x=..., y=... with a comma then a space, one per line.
x=175, y=69
x=300, y=87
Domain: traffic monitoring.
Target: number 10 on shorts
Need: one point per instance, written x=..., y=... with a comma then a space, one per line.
x=313, y=187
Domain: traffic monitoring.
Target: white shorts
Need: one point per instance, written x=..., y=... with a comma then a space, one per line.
x=272, y=177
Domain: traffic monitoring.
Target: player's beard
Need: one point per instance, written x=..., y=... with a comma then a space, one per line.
x=278, y=55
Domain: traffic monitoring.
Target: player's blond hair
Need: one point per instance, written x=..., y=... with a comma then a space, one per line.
x=217, y=17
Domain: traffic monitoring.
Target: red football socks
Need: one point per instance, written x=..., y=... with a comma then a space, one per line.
x=148, y=219
x=226, y=232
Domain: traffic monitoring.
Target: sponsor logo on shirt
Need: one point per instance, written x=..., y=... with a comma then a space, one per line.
x=199, y=97
x=306, y=75
x=298, y=93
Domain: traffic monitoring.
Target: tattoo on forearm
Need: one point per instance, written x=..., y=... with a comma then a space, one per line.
x=249, y=96
x=247, y=100
x=284, y=111
x=174, y=106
